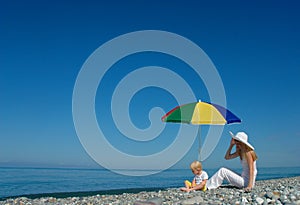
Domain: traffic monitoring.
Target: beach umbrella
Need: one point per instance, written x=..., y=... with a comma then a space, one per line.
x=201, y=113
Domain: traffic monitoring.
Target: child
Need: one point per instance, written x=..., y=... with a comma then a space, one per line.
x=199, y=181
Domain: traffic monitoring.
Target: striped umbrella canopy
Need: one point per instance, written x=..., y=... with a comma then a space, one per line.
x=201, y=113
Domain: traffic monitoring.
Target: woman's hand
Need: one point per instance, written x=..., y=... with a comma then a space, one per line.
x=232, y=142
x=228, y=154
x=248, y=189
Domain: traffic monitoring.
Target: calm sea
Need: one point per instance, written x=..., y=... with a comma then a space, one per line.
x=37, y=182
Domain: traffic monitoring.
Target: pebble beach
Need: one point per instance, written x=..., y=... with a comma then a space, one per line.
x=275, y=191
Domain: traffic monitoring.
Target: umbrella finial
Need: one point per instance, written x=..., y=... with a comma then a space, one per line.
x=199, y=100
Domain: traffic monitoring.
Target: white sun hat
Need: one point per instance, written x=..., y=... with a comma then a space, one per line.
x=242, y=137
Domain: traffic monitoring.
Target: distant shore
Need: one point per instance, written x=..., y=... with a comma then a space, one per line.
x=274, y=191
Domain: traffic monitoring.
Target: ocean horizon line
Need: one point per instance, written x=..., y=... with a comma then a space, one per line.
x=128, y=169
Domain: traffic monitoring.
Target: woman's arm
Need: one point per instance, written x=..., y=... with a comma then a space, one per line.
x=228, y=154
x=250, y=162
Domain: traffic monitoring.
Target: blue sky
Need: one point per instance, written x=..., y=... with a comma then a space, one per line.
x=254, y=46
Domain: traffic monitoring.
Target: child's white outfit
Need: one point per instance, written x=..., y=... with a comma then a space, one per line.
x=239, y=181
x=198, y=179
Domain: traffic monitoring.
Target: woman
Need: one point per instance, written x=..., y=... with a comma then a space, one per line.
x=245, y=151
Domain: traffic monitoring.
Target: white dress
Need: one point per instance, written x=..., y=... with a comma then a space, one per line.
x=235, y=179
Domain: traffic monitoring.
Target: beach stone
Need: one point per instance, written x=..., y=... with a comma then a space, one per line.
x=267, y=189
x=244, y=200
x=154, y=201
x=259, y=200
x=194, y=200
x=283, y=197
x=237, y=194
x=276, y=195
x=293, y=198
x=269, y=195
x=52, y=200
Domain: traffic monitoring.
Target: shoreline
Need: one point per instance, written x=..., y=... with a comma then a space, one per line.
x=87, y=193
x=279, y=191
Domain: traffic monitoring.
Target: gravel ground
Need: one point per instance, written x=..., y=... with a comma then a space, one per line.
x=276, y=191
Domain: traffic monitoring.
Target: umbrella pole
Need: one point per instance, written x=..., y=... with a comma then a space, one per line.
x=199, y=140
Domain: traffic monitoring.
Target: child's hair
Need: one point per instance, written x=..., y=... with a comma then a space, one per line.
x=196, y=165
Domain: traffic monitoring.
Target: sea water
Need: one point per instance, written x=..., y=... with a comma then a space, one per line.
x=31, y=181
